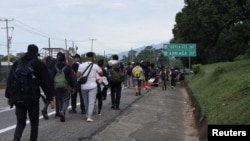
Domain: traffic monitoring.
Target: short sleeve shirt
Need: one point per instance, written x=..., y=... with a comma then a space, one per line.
x=91, y=82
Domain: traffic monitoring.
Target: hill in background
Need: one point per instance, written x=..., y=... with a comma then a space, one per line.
x=139, y=49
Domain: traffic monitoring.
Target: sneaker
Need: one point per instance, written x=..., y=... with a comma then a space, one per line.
x=117, y=108
x=112, y=107
x=62, y=116
x=89, y=120
x=99, y=112
x=83, y=112
x=72, y=111
x=45, y=114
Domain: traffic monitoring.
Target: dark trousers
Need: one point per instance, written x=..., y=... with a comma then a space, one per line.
x=99, y=99
x=173, y=81
x=116, y=89
x=57, y=103
x=21, y=116
x=74, y=99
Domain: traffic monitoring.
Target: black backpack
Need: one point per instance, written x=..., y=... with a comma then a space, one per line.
x=24, y=86
x=129, y=70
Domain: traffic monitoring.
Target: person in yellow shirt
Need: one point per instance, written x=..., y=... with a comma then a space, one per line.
x=138, y=77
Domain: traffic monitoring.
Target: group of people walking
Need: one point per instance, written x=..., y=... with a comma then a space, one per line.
x=63, y=83
x=59, y=92
x=142, y=72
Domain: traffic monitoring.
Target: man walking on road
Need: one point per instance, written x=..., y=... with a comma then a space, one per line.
x=115, y=87
x=138, y=77
x=50, y=63
x=75, y=65
x=29, y=101
x=63, y=91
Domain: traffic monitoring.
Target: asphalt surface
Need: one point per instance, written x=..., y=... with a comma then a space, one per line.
x=156, y=115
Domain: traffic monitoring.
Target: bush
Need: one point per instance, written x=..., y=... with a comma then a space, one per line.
x=243, y=57
x=196, y=68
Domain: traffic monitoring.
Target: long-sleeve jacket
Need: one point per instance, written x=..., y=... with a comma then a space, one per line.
x=41, y=73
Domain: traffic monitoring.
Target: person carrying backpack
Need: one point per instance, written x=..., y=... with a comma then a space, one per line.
x=26, y=77
x=116, y=76
x=138, y=77
x=63, y=83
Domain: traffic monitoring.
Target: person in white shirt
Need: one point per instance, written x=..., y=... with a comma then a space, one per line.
x=89, y=89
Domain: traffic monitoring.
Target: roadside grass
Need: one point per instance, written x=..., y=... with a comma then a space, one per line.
x=223, y=92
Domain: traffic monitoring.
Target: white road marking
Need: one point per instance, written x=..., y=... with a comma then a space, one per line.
x=4, y=109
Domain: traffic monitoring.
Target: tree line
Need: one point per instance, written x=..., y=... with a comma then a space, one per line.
x=220, y=29
x=149, y=54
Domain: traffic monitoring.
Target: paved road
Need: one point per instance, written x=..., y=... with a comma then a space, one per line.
x=155, y=116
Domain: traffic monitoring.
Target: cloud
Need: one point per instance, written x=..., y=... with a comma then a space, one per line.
x=122, y=24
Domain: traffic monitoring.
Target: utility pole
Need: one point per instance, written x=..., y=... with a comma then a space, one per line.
x=66, y=48
x=92, y=40
x=50, y=54
x=73, y=49
x=132, y=55
x=8, y=41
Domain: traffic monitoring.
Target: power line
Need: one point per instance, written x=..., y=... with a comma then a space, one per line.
x=35, y=31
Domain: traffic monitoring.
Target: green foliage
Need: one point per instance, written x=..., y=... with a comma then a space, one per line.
x=147, y=54
x=12, y=58
x=223, y=92
x=239, y=58
x=219, y=29
x=242, y=57
x=196, y=68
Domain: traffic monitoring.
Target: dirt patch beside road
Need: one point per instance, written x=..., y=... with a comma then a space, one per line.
x=194, y=120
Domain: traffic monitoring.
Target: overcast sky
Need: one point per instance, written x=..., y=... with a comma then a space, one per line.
x=116, y=25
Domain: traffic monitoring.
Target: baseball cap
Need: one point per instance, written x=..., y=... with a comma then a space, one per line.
x=76, y=56
x=32, y=48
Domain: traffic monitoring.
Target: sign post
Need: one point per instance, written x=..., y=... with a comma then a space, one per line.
x=180, y=50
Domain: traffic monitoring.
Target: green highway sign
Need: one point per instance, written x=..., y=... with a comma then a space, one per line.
x=179, y=50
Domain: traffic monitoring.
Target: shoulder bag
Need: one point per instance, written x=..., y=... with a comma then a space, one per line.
x=84, y=79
